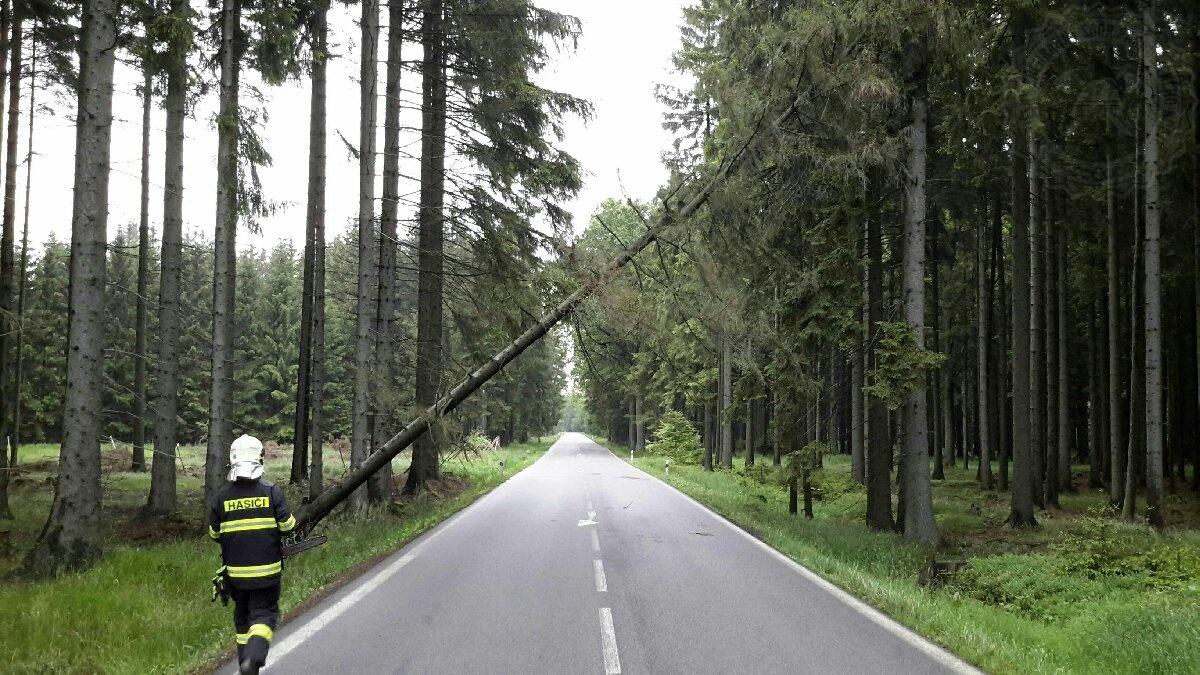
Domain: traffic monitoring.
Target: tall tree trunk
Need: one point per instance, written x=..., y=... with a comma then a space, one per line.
x=941, y=377
x=1023, y=476
x=360, y=426
x=21, y=271
x=879, y=445
x=315, y=221
x=431, y=233
x=8, y=361
x=220, y=421
x=708, y=436
x=143, y=283
x=639, y=426
x=751, y=430
x=1064, y=416
x=631, y=430
x=1036, y=372
x=858, y=368
x=918, y=498
x=1196, y=230
x=1050, y=246
x=982, y=335
x=380, y=485
x=1154, y=382
x=1000, y=361
x=72, y=534
x=1135, y=437
x=162, y=497
x=1116, y=422
x=1095, y=407
x=725, y=419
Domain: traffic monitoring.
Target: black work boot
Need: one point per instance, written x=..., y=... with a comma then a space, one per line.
x=248, y=667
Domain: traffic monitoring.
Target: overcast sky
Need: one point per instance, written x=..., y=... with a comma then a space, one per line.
x=624, y=51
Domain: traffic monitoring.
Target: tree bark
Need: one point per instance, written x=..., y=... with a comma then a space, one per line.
x=639, y=426
x=1153, y=281
x=143, y=283
x=919, y=525
x=71, y=538
x=162, y=497
x=425, y=465
x=360, y=426
x=220, y=426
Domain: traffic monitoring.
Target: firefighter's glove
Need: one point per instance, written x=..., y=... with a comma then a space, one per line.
x=220, y=587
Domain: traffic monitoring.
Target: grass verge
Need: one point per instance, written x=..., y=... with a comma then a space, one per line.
x=1084, y=593
x=144, y=608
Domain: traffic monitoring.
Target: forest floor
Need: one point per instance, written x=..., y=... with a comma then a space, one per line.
x=145, y=606
x=1082, y=593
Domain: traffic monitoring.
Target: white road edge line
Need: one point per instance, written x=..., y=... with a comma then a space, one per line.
x=595, y=541
x=933, y=651
x=608, y=642
x=601, y=582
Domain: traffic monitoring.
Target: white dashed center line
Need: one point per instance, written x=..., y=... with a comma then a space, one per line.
x=601, y=582
x=595, y=541
x=608, y=640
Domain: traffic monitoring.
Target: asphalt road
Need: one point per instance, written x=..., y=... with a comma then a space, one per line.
x=584, y=564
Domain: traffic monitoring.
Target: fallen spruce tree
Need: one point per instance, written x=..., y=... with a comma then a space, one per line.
x=671, y=212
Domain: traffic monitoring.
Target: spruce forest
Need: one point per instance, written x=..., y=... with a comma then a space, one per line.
x=916, y=305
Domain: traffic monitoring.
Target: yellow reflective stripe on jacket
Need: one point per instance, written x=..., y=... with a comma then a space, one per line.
x=247, y=524
x=243, y=638
x=261, y=630
x=287, y=525
x=213, y=533
x=255, y=571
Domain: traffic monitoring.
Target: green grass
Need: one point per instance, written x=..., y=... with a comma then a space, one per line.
x=1085, y=593
x=145, y=607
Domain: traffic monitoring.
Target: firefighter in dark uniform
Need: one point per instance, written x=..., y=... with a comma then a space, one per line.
x=248, y=518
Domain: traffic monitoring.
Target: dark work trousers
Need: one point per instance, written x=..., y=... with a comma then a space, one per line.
x=255, y=613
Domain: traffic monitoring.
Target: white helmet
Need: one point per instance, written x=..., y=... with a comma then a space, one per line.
x=246, y=458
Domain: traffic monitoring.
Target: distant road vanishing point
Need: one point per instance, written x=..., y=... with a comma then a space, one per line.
x=584, y=564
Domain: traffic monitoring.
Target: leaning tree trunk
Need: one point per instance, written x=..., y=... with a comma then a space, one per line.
x=982, y=336
x=379, y=487
x=162, y=497
x=315, y=221
x=71, y=538
x=425, y=461
x=1153, y=320
x=143, y=285
x=220, y=426
x=360, y=425
x=918, y=498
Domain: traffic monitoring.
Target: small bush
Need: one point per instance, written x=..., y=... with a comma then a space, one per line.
x=675, y=437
